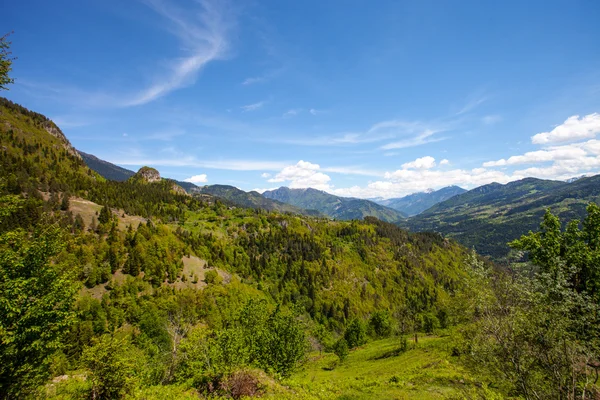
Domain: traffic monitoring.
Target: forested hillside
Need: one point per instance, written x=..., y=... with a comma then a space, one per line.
x=488, y=217
x=197, y=293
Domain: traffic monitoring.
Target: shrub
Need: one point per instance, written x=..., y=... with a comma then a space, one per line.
x=381, y=324
x=356, y=334
x=340, y=348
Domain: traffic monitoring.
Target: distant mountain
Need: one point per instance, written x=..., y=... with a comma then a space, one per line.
x=113, y=172
x=343, y=208
x=106, y=169
x=416, y=203
x=252, y=199
x=490, y=216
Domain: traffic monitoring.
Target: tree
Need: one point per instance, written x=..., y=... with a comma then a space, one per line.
x=356, y=333
x=105, y=215
x=36, y=296
x=540, y=331
x=5, y=62
x=381, y=324
x=111, y=362
x=340, y=348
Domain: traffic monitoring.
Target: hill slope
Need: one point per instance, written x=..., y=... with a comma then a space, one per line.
x=342, y=208
x=106, y=169
x=416, y=203
x=490, y=216
x=251, y=199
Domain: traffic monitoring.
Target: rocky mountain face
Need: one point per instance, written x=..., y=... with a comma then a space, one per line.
x=148, y=174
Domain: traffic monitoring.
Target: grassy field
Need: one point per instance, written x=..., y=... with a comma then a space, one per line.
x=377, y=371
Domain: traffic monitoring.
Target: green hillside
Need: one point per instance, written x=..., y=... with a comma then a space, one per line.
x=342, y=208
x=488, y=217
x=189, y=269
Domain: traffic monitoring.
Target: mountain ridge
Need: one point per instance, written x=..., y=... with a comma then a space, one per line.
x=416, y=203
x=344, y=208
x=490, y=216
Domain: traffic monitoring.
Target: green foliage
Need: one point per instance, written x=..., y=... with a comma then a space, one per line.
x=212, y=277
x=538, y=329
x=356, y=333
x=340, y=348
x=430, y=322
x=36, y=294
x=381, y=323
x=5, y=62
x=111, y=363
x=105, y=215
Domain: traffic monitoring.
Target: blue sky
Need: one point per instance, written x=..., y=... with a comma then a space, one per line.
x=362, y=98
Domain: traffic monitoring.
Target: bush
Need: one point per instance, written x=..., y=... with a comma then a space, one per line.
x=340, y=348
x=212, y=277
x=381, y=324
x=111, y=364
x=356, y=334
x=430, y=322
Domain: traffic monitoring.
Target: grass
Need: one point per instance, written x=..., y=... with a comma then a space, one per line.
x=424, y=371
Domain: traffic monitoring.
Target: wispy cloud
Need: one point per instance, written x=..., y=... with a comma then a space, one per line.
x=292, y=112
x=165, y=136
x=411, y=133
x=337, y=140
x=472, y=103
x=202, y=32
x=491, y=119
x=262, y=78
x=252, y=81
x=253, y=107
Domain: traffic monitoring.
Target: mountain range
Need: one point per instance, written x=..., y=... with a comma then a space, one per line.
x=485, y=218
x=344, y=208
x=490, y=216
x=252, y=199
x=416, y=203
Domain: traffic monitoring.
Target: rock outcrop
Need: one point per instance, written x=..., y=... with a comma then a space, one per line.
x=148, y=174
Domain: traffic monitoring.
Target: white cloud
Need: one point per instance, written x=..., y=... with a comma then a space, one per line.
x=426, y=162
x=444, y=162
x=314, y=111
x=574, y=128
x=253, y=107
x=265, y=175
x=539, y=156
x=302, y=175
x=197, y=179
